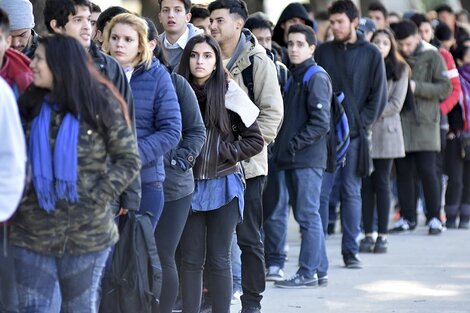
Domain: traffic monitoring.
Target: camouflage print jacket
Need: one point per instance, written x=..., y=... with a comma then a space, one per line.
x=87, y=226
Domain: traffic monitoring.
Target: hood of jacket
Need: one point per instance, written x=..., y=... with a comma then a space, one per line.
x=245, y=48
x=292, y=10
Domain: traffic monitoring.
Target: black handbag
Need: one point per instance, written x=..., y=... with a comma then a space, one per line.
x=465, y=146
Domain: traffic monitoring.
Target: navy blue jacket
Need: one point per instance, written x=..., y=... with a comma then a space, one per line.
x=358, y=70
x=157, y=118
x=301, y=142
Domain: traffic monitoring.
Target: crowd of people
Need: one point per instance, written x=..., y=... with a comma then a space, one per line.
x=213, y=130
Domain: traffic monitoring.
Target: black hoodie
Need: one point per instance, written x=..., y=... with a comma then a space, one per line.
x=292, y=10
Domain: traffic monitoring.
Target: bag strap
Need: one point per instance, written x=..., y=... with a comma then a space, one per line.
x=247, y=75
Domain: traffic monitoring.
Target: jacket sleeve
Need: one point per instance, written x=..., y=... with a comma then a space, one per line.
x=268, y=97
x=121, y=149
x=318, y=109
x=193, y=133
x=453, y=74
x=167, y=121
x=249, y=143
x=377, y=98
x=130, y=197
x=12, y=154
x=440, y=86
x=397, y=95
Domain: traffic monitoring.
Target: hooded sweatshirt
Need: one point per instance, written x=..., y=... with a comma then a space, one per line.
x=291, y=11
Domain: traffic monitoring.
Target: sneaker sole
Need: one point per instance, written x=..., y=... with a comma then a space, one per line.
x=297, y=287
x=353, y=266
x=274, y=278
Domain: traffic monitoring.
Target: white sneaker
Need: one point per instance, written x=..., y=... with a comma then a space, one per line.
x=435, y=226
x=274, y=273
x=236, y=297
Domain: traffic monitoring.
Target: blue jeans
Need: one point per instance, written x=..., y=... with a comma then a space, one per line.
x=78, y=277
x=236, y=264
x=350, y=198
x=152, y=201
x=275, y=225
x=304, y=187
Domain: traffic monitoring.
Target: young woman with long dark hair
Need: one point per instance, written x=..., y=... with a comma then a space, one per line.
x=387, y=144
x=157, y=113
x=217, y=206
x=75, y=121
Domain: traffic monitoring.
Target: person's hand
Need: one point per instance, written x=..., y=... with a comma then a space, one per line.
x=413, y=85
x=122, y=211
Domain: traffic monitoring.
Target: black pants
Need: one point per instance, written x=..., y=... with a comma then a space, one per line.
x=167, y=236
x=440, y=163
x=209, y=231
x=458, y=187
x=8, y=292
x=422, y=163
x=376, y=192
x=251, y=245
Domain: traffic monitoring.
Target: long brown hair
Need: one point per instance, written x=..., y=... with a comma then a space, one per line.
x=394, y=62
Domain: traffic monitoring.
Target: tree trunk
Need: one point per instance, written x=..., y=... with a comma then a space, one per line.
x=150, y=9
x=466, y=5
x=365, y=5
x=320, y=5
x=254, y=6
x=38, y=9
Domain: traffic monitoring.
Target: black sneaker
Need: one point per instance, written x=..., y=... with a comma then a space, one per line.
x=322, y=279
x=381, y=245
x=351, y=260
x=297, y=281
x=251, y=310
x=331, y=229
x=464, y=222
x=367, y=244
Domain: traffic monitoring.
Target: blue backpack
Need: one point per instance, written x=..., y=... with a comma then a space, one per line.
x=338, y=140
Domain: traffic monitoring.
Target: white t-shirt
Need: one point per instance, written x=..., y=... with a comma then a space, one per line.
x=12, y=153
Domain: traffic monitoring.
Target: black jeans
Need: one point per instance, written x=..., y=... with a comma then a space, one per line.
x=424, y=164
x=209, y=231
x=458, y=187
x=8, y=291
x=167, y=236
x=376, y=192
x=251, y=245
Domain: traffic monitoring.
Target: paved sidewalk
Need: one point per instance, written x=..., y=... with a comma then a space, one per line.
x=420, y=273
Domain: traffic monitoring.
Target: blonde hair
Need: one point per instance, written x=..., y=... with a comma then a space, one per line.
x=141, y=27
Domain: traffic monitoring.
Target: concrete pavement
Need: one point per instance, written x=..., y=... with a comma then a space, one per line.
x=420, y=273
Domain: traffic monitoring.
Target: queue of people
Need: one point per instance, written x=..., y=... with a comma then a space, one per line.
x=213, y=130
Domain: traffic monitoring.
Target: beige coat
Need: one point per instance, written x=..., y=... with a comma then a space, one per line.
x=387, y=133
x=268, y=99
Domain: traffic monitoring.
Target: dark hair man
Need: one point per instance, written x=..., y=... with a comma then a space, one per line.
x=23, y=36
x=200, y=17
x=301, y=153
x=103, y=20
x=240, y=50
x=356, y=68
x=72, y=18
x=175, y=15
x=95, y=13
x=421, y=132
x=446, y=15
x=379, y=14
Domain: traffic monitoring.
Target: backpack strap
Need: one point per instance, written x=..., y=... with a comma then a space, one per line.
x=247, y=75
x=308, y=74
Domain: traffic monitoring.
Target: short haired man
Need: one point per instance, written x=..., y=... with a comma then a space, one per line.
x=95, y=13
x=301, y=153
x=200, y=17
x=240, y=50
x=356, y=68
x=23, y=36
x=103, y=19
x=446, y=15
x=421, y=132
x=14, y=66
x=175, y=15
x=379, y=14
x=72, y=18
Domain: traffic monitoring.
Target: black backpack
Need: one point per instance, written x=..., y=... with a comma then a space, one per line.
x=338, y=138
x=135, y=280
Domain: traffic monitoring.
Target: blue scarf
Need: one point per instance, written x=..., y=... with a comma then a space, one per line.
x=54, y=176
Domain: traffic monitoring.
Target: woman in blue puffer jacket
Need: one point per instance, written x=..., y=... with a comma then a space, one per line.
x=157, y=112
